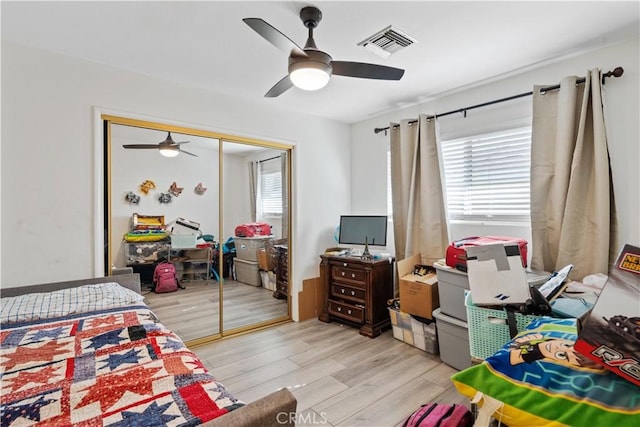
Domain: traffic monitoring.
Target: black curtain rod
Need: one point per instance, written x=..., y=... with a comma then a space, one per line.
x=270, y=158
x=617, y=72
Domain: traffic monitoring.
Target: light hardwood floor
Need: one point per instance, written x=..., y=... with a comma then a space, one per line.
x=194, y=312
x=339, y=377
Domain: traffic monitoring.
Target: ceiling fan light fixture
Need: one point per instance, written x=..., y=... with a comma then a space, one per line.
x=169, y=151
x=310, y=75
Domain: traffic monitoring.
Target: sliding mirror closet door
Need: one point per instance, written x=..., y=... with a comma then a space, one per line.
x=147, y=190
x=209, y=188
x=256, y=224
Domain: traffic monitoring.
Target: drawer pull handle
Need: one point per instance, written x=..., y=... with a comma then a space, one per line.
x=342, y=290
x=345, y=264
x=348, y=311
x=353, y=293
x=339, y=308
x=343, y=273
x=353, y=276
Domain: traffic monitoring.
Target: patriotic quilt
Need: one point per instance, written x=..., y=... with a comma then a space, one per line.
x=115, y=367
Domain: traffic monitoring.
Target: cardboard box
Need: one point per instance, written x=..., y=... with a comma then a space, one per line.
x=418, y=293
x=413, y=332
x=263, y=260
x=611, y=335
x=266, y=283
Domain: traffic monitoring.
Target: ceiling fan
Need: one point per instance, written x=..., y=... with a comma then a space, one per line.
x=168, y=147
x=309, y=67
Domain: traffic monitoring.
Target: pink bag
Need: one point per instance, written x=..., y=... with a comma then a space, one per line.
x=164, y=278
x=440, y=415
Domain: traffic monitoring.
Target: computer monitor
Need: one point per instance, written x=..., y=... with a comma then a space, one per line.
x=363, y=229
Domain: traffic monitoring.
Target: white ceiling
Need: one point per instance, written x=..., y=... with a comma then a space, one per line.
x=206, y=44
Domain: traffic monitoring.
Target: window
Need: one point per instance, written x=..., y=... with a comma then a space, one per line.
x=487, y=176
x=271, y=188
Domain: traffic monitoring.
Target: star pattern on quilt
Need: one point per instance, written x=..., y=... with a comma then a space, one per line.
x=139, y=374
x=30, y=411
x=107, y=320
x=149, y=316
x=172, y=344
x=174, y=366
x=108, y=338
x=153, y=415
x=115, y=360
x=27, y=377
x=197, y=363
x=31, y=354
x=47, y=333
x=108, y=389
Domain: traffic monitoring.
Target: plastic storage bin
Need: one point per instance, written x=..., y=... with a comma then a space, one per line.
x=247, y=247
x=247, y=272
x=413, y=332
x=452, y=285
x=183, y=241
x=488, y=328
x=453, y=339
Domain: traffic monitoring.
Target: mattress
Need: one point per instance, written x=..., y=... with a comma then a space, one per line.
x=113, y=366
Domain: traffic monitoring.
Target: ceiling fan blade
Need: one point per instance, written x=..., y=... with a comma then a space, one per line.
x=366, y=71
x=274, y=36
x=280, y=87
x=155, y=146
x=182, y=142
x=191, y=154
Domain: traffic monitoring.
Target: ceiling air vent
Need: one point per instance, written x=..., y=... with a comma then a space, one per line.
x=387, y=41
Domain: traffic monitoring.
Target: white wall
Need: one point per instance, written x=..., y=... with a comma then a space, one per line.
x=130, y=168
x=622, y=96
x=48, y=200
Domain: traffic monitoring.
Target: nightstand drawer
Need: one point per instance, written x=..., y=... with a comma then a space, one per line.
x=346, y=311
x=345, y=273
x=351, y=293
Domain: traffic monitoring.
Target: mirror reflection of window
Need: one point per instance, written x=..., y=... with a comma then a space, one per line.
x=270, y=196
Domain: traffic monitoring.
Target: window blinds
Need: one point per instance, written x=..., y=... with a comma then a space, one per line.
x=271, y=187
x=487, y=176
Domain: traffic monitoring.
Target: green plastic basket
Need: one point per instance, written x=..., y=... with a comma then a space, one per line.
x=488, y=328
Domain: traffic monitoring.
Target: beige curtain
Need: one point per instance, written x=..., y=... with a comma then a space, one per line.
x=419, y=218
x=573, y=217
x=284, y=168
x=254, y=189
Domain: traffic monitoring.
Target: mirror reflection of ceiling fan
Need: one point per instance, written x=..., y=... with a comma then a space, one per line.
x=168, y=147
x=310, y=68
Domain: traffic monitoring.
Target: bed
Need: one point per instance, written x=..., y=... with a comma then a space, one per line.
x=90, y=352
x=538, y=379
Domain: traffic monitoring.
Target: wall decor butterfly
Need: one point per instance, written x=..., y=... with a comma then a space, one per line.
x=132, y=198
x=175, y=190
x=200, y=189
x=164, y=198
x=146, y=186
